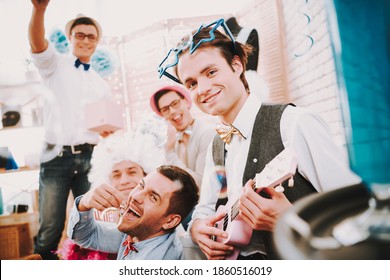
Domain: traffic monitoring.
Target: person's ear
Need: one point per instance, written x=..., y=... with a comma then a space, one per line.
x=171, y=221
x=237, y=64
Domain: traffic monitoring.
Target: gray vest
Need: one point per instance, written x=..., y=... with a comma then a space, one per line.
x=266, y=143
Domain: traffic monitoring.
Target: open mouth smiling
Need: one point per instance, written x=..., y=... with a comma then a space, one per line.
x=133, y=212
x=176, y=117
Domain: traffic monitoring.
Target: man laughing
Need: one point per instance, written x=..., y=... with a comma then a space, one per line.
x=153, y=210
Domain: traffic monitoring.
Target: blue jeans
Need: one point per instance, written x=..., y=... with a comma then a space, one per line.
x=57, y=177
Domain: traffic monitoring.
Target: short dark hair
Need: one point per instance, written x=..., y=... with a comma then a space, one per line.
x=226, y=47
x=159, y=94
x=183, y=200
x=85, y=21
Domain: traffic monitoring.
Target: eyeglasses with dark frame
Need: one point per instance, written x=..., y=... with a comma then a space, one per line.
x=81, y=36
x=174, y=104
x=175, y=52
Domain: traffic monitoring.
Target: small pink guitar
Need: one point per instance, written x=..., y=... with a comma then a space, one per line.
x=279, y=169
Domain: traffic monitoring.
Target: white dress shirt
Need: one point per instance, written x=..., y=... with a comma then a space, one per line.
x=69, y=89
x=202, y=134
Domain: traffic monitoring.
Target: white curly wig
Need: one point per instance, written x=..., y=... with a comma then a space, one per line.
x=133, y=146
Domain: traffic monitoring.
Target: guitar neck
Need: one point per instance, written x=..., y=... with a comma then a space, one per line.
x=279, y=169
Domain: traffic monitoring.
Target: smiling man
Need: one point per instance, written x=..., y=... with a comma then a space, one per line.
x=71, y=84
x=118, y=162
x=211, y=65
x=188, y=138
x=153, y=210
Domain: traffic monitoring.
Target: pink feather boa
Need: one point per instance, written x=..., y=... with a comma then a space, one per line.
x=72, y=251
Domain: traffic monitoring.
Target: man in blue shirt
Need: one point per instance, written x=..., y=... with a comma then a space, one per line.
x=153, y=210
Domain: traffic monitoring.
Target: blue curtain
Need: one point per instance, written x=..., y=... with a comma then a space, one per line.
x=360, y=32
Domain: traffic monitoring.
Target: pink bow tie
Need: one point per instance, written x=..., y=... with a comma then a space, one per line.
x=128, y=246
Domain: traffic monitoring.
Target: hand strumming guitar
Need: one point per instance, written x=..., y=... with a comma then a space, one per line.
x=202, y=230
x=259, y=212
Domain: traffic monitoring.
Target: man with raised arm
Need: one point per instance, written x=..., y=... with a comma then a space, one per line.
x=71, y=84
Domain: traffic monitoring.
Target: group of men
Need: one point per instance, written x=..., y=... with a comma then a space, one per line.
x=210, y=66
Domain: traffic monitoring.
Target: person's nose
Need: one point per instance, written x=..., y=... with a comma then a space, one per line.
x=173, y=110
x=86, y=41
x=128, y=181
x=137, y=195
x=204, y=86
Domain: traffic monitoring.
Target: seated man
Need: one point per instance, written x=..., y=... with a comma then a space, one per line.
x=146, y=230
x=118, y=162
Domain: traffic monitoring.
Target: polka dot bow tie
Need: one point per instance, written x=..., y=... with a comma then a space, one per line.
x=128, y=246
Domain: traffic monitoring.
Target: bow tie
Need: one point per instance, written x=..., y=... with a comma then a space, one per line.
x=180, y=134
x=128, y=246
x=77, y=63
x=227, y=131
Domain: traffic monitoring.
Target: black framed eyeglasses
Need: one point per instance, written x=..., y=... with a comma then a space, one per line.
x=174, y=104
x=81, y=36
x=172, y=58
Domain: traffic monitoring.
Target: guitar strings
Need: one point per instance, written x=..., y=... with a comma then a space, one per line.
x=235, y=209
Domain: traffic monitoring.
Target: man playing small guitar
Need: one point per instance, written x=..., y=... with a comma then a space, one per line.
x=211, y=65
x=281, y=168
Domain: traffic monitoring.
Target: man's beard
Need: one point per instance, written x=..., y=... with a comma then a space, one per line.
x=144, y=231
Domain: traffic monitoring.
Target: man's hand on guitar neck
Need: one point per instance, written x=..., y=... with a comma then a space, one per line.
x=202, y=230
x=259, y=212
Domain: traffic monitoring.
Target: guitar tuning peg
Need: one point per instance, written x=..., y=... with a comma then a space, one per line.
x=279, y=188
x=291, y=182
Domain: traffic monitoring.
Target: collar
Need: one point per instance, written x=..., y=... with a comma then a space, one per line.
x=187, y=130
x=246, y=117
x=73, y=58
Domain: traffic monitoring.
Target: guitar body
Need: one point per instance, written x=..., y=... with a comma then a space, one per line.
x=282, y=167
x=239, y=232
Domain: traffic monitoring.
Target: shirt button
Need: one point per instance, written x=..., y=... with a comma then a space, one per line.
x=75, y=172
x=255, y=160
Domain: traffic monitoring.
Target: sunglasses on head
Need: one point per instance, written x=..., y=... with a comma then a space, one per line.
x=172, y=58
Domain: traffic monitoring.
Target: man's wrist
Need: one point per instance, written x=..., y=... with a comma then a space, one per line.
x=79, y=204
x=41, y=10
